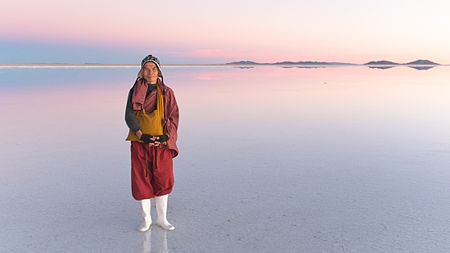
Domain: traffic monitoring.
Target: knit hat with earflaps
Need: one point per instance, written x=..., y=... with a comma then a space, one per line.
x=151, y=58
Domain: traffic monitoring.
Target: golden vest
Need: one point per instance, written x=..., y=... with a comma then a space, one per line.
x=151, y=123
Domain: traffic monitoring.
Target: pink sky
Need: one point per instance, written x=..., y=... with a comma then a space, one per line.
x=217, y=32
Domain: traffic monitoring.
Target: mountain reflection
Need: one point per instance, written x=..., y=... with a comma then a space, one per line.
x=421, y=67
x=411, y=66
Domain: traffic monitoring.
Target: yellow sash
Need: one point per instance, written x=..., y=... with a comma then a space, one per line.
x=151, y=123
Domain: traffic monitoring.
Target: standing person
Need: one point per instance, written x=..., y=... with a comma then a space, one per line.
x=152, y=117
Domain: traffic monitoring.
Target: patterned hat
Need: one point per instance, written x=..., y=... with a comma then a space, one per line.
x=151, y=58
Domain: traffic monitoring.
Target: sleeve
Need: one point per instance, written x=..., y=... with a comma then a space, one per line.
x=130, y=114
x=171, y=121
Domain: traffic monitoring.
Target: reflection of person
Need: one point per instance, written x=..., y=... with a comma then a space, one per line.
x=152, y=116
x=159, y=243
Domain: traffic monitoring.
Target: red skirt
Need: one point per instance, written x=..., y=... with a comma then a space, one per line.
x=151, y=171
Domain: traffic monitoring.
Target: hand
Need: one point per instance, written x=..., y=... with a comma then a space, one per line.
x=139, y=134
x=156, y=141
x=147, y=139
x=160, y=138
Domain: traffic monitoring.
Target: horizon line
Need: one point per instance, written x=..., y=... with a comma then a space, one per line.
x=196, y=64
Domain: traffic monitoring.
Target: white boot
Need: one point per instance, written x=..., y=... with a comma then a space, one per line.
x=161, y=210
x=145, y=204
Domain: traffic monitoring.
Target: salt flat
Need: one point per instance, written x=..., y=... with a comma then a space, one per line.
x=271, y=160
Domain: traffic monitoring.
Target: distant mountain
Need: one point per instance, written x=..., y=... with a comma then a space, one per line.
x=418, y=64
x=383, y=62
x=314, y=63
x=302, y=63
x=422, y=62
x=242, y=62
x=289, y=63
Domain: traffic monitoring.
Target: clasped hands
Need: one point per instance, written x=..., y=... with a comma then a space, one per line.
x=152, y=140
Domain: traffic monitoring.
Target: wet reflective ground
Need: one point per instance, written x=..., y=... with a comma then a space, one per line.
x=272, y=159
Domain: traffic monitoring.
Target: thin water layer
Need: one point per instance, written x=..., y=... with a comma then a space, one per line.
x=343, y=159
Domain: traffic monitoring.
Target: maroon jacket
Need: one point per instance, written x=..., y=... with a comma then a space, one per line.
x=171, y=115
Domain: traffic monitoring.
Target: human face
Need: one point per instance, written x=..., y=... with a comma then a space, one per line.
x=150, y=72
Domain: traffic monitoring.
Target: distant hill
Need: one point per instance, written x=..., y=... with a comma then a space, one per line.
x=302, y=63
x=422, y=62
x=383, y=62
x=288, y=63
x=242, y=62
x=417, y=62
x=313, y=63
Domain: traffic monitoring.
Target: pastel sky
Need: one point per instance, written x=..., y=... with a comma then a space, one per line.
x=206, y=31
